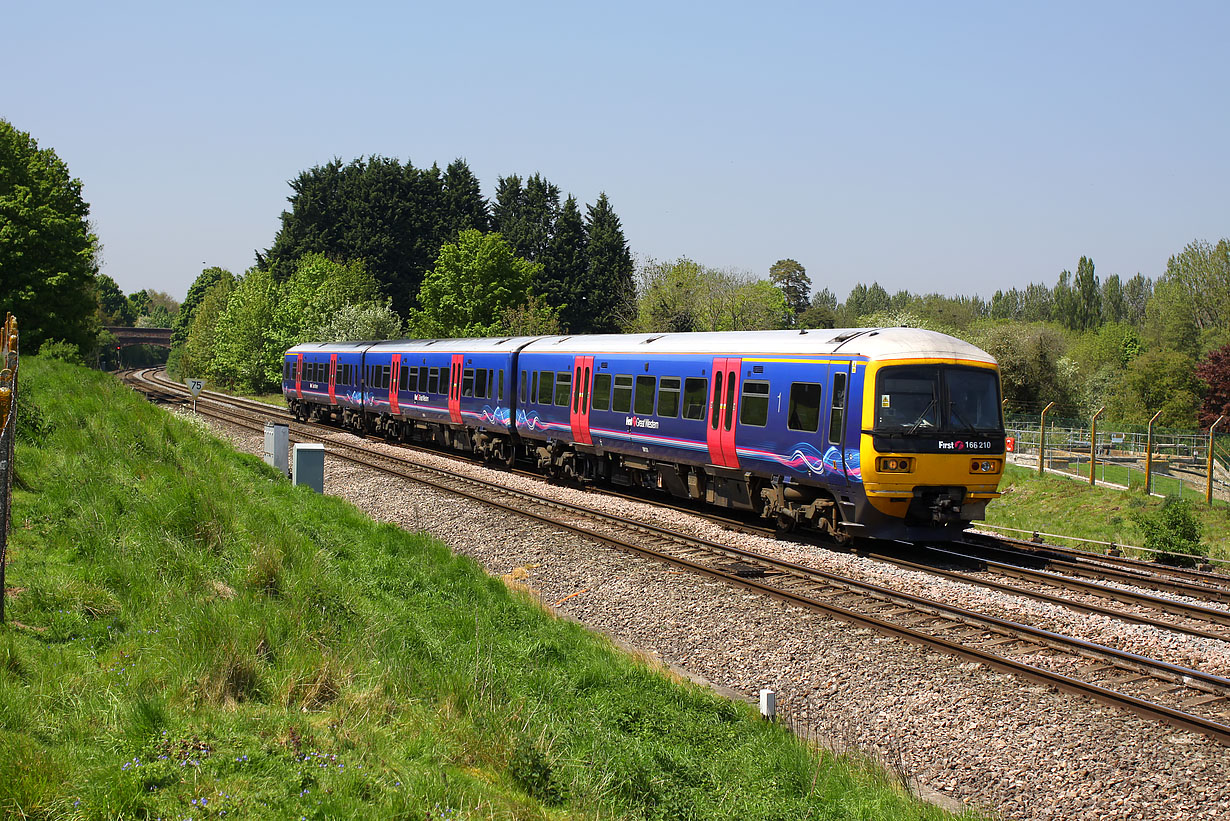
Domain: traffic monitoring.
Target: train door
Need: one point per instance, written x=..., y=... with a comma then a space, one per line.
x=723, y=402
x=299, y=376
x=394, y=374
x=454, y=388
x=332, y=377
x=835, y=434
x=583, y=366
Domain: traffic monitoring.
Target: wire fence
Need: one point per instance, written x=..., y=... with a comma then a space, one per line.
x=1187, y=463
x=8, y=440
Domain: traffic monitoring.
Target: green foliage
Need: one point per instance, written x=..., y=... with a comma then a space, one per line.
x=476, y=279
x=315, y=291
x=366, y=320
x=197, y=355
x=863, y=301
x=682, y=296
x=61, y=350
x=205, y=640
x=196, y=292
x=248, y=347
x=47, y=252
x=534, y=318
x=113, y=307
x=1033, y=366
x=1172, y=529
x=791, y=277
x=608, y=304
x=1157, y=381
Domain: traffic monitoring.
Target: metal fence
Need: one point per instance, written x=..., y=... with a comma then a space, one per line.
x=1190, y=463
x=8, y=439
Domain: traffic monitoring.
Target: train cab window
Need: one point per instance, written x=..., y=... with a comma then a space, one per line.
x=467, y=382
x=546, y=387
x=754, y=406
x=668, y=396
x=481, y=377
x=623, y=393
x=433, y=380
x=602, y=391
x=646, y=387
x=563, y=388
x=837, y=415
x=804, y=412
x=695, y=394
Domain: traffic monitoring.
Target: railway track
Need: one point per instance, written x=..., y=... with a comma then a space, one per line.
x=1178, y=696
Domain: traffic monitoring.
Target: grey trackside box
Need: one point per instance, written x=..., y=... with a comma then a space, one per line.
x=277, y=443
x=309, y=466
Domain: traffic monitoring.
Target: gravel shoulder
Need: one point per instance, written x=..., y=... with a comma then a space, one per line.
x=972, y=734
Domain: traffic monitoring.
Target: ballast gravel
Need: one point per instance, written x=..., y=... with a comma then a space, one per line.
x=988, y=740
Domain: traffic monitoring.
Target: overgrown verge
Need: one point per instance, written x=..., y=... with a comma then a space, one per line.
x=191, y=637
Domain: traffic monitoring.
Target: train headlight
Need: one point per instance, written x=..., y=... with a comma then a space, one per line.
x=984, y=466
x=894, y=464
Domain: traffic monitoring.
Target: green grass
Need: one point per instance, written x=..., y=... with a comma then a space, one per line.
x=1057, y=504
x=189, y=636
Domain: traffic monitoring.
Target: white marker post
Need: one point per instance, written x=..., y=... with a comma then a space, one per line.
x=195, y=386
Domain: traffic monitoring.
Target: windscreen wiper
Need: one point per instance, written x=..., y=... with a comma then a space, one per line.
x=956, y=415
x=922, y=417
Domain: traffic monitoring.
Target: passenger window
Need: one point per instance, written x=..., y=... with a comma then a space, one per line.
x=804, y=412
x=754, y=407
x=668, y=396
x=546, y=384
x=433, y=380
x=602, y=391
x=534, y=388
x=695, y=394
x=623, y=393
x=563, y=388
x=402, y=375
x=500, y=398
x=480, y=383
x=385, y=377
x=717, y=399
x=467, y=382
x=423, y=378
x=838, y=414
x=523, y=381
x=645, y=387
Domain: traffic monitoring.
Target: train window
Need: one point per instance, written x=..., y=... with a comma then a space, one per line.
x=668, y=396
x=534, y=387
x=602, y=391
x=563, y=388
x=424, y=377
x=754, y=406
x=546, y=386
x=623, y=393
x=804, y=407
x=480, y=383
x=717, y=399
x=645, y=388
x=467, y=382
x=730, y=401
x=500, y=397
x=838, y=414
x=521, y=396
x=384, y=376
x=433, y=380
x=695, y=394
x=402, y=375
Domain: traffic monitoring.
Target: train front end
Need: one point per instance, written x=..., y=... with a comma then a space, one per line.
x=932, y=444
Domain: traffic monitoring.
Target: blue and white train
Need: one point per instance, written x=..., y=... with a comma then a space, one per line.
x=877, y=432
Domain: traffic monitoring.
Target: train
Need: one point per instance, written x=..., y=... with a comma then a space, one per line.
x=883, y=433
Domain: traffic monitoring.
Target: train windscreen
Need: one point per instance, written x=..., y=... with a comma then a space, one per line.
x=925, y=399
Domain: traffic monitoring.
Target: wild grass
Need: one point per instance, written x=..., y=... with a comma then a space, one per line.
x=1057, y=504
x=189, y=636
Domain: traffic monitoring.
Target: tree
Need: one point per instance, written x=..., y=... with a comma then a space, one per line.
x=318, y=289
x=473, y=283
x=1088, y=297
x=862, y=301
x=48, y=256
x=791, y=277
x=365, y=320
x=1114, y=303
x=1202, y=272
x=608, y=298
x=196, y=356
x=113, y=307
x=1170, y=320
x=196, y=292
x=562, y=282
x=1064, y=301
x=1157, y=381
x=464, y=206
x=1137, y=292
x=249, y=348
x=140, y=302
x=669, y=294
x=1214, y=371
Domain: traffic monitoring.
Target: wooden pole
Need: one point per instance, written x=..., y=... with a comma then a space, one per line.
x=1208, y=493
x=1149, y=456
x=1093, y=444
x=1042, y=440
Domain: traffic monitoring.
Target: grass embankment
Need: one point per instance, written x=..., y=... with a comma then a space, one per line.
x=191, y=636
x=1056, y=504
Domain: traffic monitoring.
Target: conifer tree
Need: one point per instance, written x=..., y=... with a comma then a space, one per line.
x=607, y=298
x=565, y=268
x=464, y=206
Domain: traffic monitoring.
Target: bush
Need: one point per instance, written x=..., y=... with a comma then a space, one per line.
x=1173, y=530
x=61, y=350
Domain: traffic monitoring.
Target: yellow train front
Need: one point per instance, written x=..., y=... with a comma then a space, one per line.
x=931, y=437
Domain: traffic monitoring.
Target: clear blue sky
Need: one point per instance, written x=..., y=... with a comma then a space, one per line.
x=951, y=147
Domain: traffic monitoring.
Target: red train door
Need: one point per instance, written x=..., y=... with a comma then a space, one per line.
x=581, y=381
x=332, y=376
x=723, y=404
x=299, y=376
x=394, y=373
x=454, y=388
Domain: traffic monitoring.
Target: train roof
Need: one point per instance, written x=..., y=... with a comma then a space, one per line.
x=872, y=343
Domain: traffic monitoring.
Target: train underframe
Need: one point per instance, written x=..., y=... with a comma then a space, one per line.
x=789, y=505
